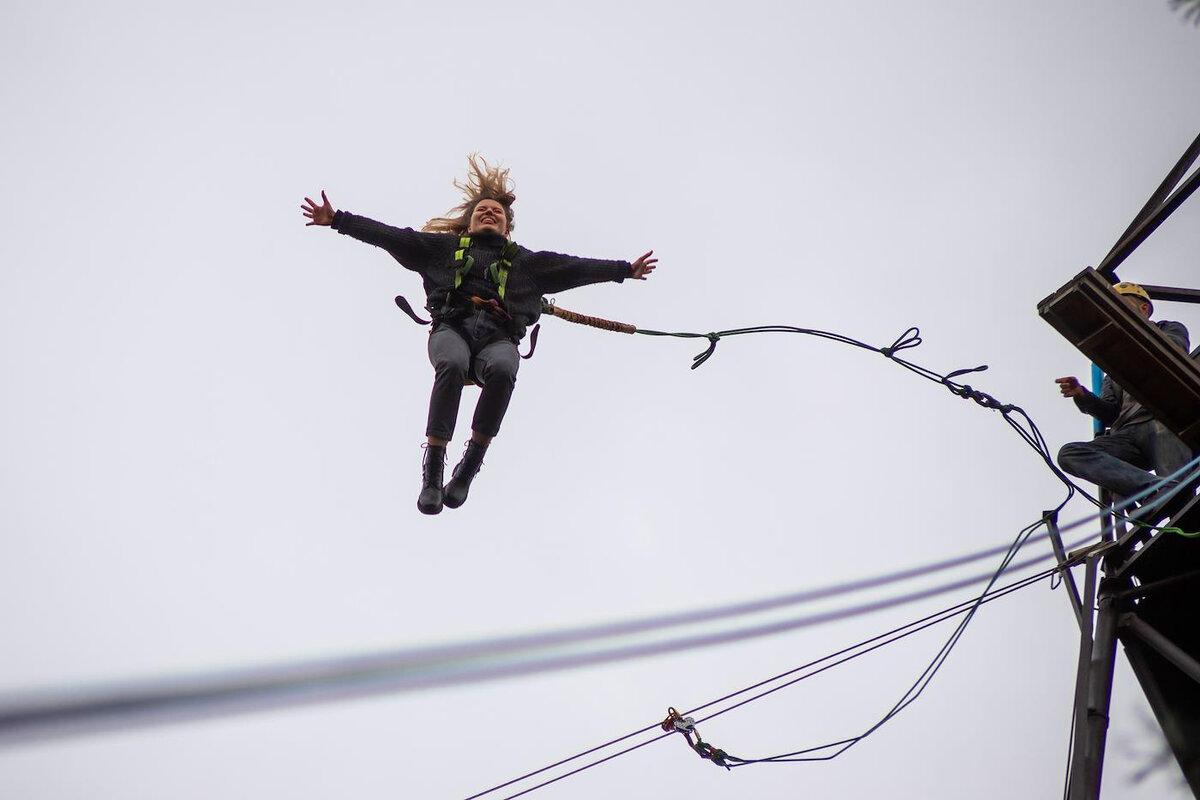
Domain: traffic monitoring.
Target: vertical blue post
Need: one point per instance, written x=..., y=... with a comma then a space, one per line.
x=1106, y=517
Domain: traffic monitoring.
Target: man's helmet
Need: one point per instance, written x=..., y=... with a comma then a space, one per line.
x=1125, y=287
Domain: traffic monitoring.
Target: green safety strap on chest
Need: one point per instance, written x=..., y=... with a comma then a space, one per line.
x=498, y=271
x=462, y=260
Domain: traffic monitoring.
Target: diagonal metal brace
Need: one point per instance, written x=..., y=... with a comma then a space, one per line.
x=1060, y=553
x=1172, y=652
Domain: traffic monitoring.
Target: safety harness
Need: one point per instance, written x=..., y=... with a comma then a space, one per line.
x=498, y=271
x=451, y=304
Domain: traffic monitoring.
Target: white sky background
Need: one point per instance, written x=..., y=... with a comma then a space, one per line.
x=211, y=415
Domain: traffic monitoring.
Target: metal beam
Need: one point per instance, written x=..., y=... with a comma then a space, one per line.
x=1100, y=680
x=1180, y=737
x=1082, y=673
x=1172, y=293
x=1160, y=194
x=1148, y=226
x=1060, y=553
x=1151, y=588
x=1165, y=647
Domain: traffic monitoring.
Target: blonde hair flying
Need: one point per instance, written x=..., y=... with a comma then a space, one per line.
x=484, y=182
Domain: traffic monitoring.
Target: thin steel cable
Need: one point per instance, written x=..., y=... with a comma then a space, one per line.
x=916, y=626
x=968, y=607
x=879, y=641
x=918, y=687
x=1025, y=534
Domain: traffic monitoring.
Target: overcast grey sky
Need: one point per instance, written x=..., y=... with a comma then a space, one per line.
x=211, y=415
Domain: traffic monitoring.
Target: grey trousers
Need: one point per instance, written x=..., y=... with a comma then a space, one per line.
x=469, y=348
x=1120, y=460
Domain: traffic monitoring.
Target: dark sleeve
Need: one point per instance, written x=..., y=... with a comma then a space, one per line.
x=1177, y=333
x=1105, y=408
x=413, y=249
x=555, y=272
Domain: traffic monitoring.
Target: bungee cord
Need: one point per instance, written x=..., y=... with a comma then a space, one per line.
x=909, y=339
x=1026, y=428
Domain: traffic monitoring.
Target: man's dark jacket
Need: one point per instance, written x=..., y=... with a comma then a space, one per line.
x=1114, y=408
x=533, y=274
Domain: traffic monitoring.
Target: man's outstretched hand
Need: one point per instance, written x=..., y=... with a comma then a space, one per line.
x=1070, y=386
x=319, y=214
x=644, y=266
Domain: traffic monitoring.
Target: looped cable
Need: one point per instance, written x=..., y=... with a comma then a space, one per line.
x=910, y=338
x=713, y=338
x=713, y=754
x=966, y=371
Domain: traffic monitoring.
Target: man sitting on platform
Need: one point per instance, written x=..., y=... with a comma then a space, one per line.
x=1136, y=442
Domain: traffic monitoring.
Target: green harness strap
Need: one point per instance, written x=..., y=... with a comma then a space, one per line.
x=498, y=271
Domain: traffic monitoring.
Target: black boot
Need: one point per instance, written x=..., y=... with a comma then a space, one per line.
x=430, y=499
x=464, y=473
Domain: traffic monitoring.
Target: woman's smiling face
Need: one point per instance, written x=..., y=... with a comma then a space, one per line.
x=488, y=217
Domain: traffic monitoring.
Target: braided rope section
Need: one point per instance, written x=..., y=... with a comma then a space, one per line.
x=584, y=319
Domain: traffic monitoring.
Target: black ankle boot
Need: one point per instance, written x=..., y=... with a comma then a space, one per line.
x=464, y=473
x=430, y=499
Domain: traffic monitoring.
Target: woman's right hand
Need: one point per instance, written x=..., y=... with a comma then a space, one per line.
x=319, y=214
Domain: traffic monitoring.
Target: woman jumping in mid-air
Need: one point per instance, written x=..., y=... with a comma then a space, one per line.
x=483, y=291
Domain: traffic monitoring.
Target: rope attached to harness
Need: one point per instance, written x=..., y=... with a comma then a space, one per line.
x=548, y=307
x=907, y=340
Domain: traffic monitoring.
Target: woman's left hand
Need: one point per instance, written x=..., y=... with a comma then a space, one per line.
x=644, y=266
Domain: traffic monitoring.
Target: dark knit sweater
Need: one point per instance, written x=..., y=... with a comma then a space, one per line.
x=533, y=274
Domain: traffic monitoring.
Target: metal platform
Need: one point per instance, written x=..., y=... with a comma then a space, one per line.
x=1130, y=349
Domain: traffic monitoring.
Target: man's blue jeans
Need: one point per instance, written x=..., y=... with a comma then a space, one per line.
x=1120, y=460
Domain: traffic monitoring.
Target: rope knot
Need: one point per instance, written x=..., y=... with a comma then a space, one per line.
x=713, y=754
x=713, y=338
